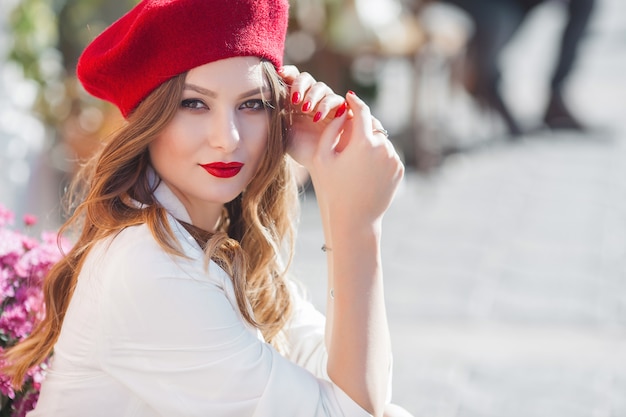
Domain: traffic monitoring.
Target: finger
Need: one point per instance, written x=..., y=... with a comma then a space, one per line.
x=362, y=117
x=313, y=95
x=299, y=86
x=331, y=105
x=380, y=133
x=376, y=124
x=289, y=73
x=329, y=138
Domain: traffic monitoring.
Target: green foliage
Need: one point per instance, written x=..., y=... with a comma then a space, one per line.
x=34, y=32
x=35, y=35
x=48, y=37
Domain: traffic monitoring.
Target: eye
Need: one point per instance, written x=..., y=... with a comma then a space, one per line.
x=256, y=104
x=193, y=104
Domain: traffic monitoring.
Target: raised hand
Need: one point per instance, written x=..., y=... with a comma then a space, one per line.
x=358, y=182
x=312, y=106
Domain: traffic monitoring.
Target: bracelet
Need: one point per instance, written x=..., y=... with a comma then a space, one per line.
x=332, y=290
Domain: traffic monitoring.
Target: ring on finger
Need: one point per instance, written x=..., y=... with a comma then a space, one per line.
x=381, y=130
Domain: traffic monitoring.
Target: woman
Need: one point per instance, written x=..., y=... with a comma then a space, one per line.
x=174, y=300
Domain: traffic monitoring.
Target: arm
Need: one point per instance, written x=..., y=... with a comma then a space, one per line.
x=354, y=188
x=352, y=202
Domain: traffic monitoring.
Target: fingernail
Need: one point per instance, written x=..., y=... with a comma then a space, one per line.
x=295, y=98
x=317, y=116
x=341, y=110
x=306, y=106
x=351, y=92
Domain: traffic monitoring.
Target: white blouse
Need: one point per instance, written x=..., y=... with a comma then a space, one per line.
x=152, y=334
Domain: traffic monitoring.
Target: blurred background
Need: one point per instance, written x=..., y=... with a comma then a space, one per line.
x=505, y=249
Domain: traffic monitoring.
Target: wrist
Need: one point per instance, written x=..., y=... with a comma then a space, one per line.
x=355, y=224
x=347, y=239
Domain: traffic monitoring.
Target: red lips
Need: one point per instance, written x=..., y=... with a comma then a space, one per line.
x=223, y=169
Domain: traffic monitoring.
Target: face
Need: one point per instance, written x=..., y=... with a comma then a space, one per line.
x=212, y=148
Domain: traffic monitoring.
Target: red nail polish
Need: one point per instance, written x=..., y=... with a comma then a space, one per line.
x=295, y=98
x=341, y=110
x=306, y=106
x=351, y=92
x=317, y=116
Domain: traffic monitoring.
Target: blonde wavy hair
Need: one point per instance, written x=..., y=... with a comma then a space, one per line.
x=259, y=226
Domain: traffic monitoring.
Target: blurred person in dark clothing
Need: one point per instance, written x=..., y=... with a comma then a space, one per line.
x=496, y=22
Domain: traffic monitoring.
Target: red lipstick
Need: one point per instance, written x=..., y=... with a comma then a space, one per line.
x=223, y=169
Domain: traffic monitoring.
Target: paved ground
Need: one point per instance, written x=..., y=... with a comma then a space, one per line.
x=506, y=269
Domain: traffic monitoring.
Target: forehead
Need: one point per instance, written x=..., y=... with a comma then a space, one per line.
x=237, y=72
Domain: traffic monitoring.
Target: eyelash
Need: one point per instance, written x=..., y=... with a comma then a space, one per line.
x=192, y=104
x=254, y=104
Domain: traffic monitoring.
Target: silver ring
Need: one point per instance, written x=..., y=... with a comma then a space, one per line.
x=381, y=130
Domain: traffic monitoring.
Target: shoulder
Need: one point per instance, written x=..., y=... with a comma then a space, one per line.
x=132, y=266
x=140, y=240
x=131, y=246
x=134, y=251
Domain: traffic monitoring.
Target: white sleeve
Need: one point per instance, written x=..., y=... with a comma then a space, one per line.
x=305, y=335
x=171, y=336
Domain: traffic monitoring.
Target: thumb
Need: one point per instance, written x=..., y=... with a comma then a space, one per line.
x=362, y=119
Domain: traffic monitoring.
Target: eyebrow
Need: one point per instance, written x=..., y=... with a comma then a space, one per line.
x=213, y=94
x=200, y=90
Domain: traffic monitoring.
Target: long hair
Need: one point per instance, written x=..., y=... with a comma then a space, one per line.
x=258, y=228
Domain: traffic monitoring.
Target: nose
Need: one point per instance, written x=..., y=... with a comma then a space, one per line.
x=224, y=133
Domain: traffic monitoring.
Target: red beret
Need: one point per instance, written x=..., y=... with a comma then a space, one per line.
x=159, y=39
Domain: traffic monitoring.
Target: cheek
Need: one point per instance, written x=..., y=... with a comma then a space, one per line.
x=258, y=147
x=161, y=149
x=172, y=143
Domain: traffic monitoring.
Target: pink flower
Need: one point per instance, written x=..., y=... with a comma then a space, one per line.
x=31, y=298
x=25, y=403
x=37, y=374
x=16, y=322
x=36, y=263
x=29, y=242
x=6, y=216
x=19, y=318
x=11, y=247
x=24, y=262
x=7, y=288
x=30, y=219
x=6, y=388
